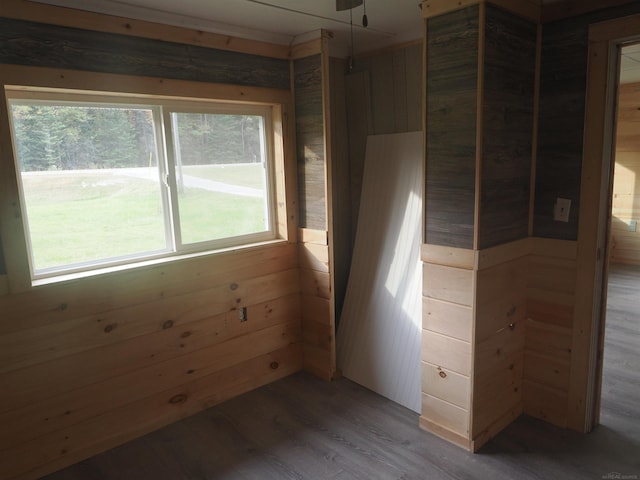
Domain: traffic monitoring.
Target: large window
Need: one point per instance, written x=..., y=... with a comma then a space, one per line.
x=107, y=180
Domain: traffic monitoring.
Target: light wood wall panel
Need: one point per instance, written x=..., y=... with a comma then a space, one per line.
x=447, y=342
x=318, y=324
x=551, y=283
x=59, y=377
x=92, y=362
x=625, y=241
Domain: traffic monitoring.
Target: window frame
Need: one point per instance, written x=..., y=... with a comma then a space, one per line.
x=148, y=91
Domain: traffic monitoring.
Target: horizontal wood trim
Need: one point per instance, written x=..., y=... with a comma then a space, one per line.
x=110, y=83
x=549, y=247
x=307, y=235
x=448, y=256
x=446, y=352
x=306, y=49
x=530, y=9
x=433, y=8
x=496, y=427
x=69, y=17
x=447, y=318
x=444, y=433
x=119, y=425
x=490, y=257
x=446, y=385
x=455, y=285
x=447, y=415
x=314, y=257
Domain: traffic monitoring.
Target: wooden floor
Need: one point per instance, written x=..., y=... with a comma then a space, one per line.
x=303, y=428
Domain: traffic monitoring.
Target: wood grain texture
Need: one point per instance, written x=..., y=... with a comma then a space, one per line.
x=452, y=76
x=384, y=95
x=310, y=142
x=37, y=44
x=509, y=83
x=561, y=118
x=300, y=427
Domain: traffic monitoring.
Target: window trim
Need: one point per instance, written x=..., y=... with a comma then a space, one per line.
x=25, y=79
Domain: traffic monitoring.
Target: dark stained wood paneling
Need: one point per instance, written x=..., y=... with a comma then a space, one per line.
x=36, y=44
x=561, y=118
x=507, y=127
x=310, y=142
x=452, y=74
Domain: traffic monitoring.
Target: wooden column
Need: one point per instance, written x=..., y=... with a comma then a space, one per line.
x=481, y=74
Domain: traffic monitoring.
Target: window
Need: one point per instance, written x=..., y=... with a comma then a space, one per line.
x=107, y=180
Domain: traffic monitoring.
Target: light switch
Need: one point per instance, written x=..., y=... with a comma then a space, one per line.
x=561, y=209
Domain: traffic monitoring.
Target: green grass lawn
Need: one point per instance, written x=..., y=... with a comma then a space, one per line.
x=78, y=217
x=245, y=174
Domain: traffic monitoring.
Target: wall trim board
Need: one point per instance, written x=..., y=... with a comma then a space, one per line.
x=308, y=235
x=588, y=318
x=445, y=433
x=448, y=256
x=70, y=17
x=480, y=109
x=530, y=9
x=306, y=49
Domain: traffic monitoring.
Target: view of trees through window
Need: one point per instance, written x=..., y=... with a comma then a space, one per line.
x=95, y=186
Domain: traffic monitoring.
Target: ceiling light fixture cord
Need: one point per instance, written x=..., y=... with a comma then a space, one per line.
x=351, y=33
x=365, y=20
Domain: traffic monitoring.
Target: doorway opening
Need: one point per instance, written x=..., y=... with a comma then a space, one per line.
x=620, y=384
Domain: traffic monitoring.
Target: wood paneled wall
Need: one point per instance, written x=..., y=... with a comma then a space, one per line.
x=307, y=78
x=384, y=95
x=561, y=118
x=551, y=282
x=452, y=102
x=509, y=73
x=474, y=311
x=88, y=364
x=625, y=245
x=37, y=44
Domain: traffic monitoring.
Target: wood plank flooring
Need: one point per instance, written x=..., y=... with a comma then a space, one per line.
x=303, y=428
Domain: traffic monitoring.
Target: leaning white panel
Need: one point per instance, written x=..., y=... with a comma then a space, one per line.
x=378, y=340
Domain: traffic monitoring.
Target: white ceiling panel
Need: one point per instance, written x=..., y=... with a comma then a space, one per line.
x=277, y=21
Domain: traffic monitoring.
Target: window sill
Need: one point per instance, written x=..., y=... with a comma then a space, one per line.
x=166, y=259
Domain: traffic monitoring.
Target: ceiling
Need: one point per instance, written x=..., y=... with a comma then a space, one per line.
x=277, y=21
x=630, y=64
